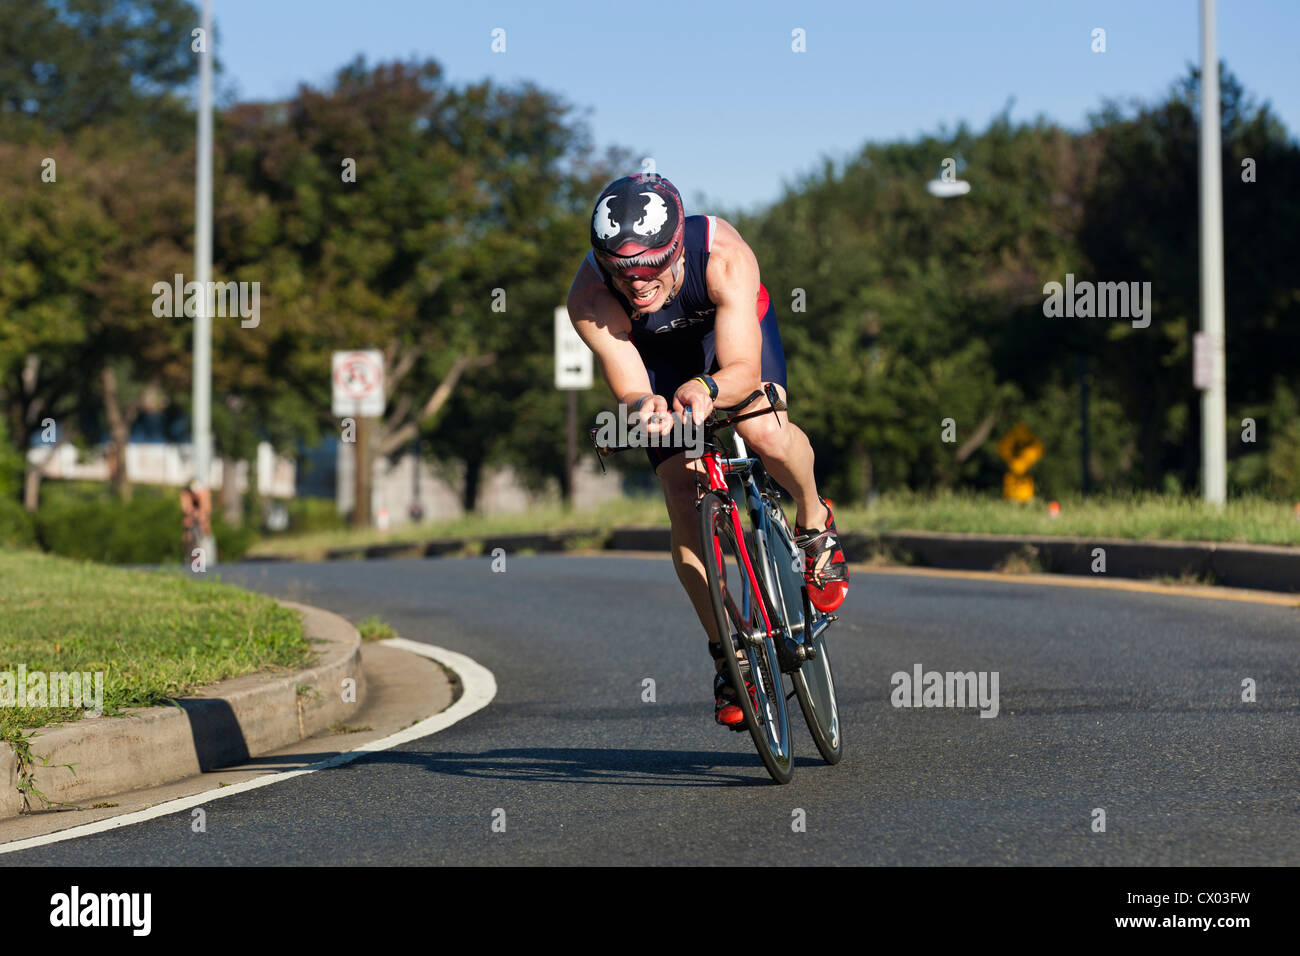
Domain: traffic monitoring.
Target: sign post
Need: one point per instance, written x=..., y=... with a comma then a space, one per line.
x=573, y=368
x=358, y=393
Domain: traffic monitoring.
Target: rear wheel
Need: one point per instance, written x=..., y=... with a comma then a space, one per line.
x=738, y=612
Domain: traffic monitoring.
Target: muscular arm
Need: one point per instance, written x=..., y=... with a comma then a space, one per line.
x=605, y=327
x=732, y=279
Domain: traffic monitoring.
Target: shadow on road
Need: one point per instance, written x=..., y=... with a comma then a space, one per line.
x=642, y=768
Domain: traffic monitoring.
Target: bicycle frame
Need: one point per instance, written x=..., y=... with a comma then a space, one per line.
x=717, y=468
x=767, y=532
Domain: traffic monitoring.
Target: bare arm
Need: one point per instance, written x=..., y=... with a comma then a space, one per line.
x=732, y=279
x=601, y=323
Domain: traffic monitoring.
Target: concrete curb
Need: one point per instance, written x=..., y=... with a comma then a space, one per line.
x=1255, y=566
x=221, y=725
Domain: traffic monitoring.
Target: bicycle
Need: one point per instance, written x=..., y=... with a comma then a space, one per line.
x=764, y=614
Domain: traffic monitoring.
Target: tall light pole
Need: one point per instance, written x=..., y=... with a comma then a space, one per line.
x=1214, y=416
x=201, y=423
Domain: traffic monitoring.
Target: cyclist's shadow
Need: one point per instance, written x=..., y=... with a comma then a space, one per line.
x=641, y=768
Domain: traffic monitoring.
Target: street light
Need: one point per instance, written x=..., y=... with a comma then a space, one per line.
x=946, y=189
x=201, y=423
x=1214, y=415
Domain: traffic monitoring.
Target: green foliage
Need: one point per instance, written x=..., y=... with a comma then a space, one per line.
x=66, y=64
x=375, y=628
x=1282, y=460
x=95, y=526
x=86, y=520
x=920, y=309
x=12, y=466
x=309, y=515
x=16, y=527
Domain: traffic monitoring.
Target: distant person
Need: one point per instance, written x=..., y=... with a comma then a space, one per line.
x=196, y=517
x=673, y=308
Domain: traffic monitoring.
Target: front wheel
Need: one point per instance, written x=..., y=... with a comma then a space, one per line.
x=816, y=689
x=738, y=612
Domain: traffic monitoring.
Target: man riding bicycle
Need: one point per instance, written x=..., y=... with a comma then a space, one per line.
x=673, y=309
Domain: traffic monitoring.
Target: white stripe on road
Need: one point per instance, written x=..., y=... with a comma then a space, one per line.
x=478, y=688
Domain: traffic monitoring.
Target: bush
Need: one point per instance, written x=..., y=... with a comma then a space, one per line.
x=86, y=520
x=17, y=529
x=314, y=514
x=232, y=543
x=94, y=525
x=1283, y=463
x=12, y=466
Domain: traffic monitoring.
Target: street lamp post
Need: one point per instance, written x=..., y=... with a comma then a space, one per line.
x=1214, y=417
x=201, y=424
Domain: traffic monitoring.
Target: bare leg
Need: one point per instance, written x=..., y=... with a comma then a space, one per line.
x=677, y=475
x=788, y=456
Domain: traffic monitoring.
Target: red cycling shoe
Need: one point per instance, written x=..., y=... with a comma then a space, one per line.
x=725, y=709
x=826, y=572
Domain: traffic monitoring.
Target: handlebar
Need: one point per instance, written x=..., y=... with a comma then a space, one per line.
x=713, y=425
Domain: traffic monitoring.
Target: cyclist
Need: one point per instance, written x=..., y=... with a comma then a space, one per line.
x=673, y=309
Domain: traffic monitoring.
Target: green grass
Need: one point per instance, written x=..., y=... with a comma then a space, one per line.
x=612, y=514
x=1139, y=516
x=374, y=628
x=155, y=635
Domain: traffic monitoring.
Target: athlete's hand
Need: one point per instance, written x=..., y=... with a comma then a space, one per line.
x=653, y=411
x=695, y=396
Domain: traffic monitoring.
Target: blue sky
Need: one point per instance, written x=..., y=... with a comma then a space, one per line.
x=712, y=90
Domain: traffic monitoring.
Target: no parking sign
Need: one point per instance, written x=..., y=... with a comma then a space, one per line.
x=358, y=384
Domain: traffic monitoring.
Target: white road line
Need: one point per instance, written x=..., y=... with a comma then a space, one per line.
x=478, y=688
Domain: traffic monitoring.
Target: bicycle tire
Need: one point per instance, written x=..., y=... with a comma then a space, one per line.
x=769, y=724
x=814, y=685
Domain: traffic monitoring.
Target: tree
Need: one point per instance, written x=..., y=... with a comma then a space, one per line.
x=66, y=65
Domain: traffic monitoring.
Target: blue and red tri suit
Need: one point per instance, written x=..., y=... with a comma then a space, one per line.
x=676, y=343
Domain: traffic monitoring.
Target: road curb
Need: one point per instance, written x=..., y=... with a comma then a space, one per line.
x=225, y=724
x=1254, y=566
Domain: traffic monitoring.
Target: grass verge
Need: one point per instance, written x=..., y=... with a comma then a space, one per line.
x=1143, y=517
x=153, y=635
x=602, y=518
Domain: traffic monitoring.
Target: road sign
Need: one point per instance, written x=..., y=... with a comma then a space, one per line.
x=358, y=384
x=1020, y=449
x=572, y=357
x=1017, y=487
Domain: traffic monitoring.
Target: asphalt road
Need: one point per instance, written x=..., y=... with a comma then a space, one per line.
x=1128, y=702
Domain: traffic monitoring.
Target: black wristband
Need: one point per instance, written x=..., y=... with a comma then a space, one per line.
x=711, y=385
